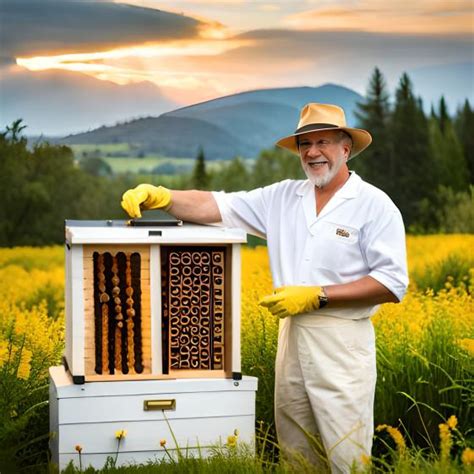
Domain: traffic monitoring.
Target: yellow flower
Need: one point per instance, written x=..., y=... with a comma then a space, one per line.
x=365, y=460
x=120, y=434
x=467, y=344
x=232, y=441
x=446, y=441
x=396, y=436
x=467, y=457
x=452, y=422
x=25, y=364
x=163, y=443
x=78, y=448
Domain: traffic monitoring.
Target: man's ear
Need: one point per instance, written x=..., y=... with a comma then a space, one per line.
x=347, y=152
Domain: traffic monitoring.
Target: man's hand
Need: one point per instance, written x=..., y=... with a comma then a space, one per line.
x=146, y=196
x=291, y=300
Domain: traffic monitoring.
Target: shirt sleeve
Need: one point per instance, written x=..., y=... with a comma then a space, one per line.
x=246, y=210
x=385, y=251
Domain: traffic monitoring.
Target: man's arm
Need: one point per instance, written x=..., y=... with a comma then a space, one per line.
x=194, y=206
x=366, y=291
x=291, y=300
x=191, y=206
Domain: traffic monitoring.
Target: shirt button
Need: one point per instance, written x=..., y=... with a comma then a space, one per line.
x=307, y=259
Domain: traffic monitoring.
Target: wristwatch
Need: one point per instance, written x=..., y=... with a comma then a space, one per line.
x=323, y=299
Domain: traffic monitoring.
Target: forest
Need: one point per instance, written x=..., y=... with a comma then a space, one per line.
x=424, y=162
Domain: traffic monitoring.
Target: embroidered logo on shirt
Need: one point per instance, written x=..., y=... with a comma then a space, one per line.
x=342, y=233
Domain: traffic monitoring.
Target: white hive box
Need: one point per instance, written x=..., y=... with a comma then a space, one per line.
x=152, y=302
x=203, y=412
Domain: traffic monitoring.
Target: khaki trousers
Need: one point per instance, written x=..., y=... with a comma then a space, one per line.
x=325, y=385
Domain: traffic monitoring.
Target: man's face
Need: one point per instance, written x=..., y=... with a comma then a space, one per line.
x=322, y=156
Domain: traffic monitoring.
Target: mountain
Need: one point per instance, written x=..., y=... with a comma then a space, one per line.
x=58, y=102
x=240, y=124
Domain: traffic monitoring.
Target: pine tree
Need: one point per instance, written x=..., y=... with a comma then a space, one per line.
x=373, y=114
x=234, y=176
x=443, y=118
x=412, y=164
x=464, y=124
x=200, y=178
x=447, y=153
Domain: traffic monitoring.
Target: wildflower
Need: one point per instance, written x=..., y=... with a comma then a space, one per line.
x=396, y=436
x=365, y=460
x=163, y=443
x=120, y=434
x=78, y=448
x=467, y=457
x=452, y=422
x=445, y=441
x=232, y=441
x=23, y=371
x=467, y=344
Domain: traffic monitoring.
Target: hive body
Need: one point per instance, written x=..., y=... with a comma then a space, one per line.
x=152, y=324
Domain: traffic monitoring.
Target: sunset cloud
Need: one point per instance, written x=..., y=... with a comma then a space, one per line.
x=434, y=17
x=52, y=27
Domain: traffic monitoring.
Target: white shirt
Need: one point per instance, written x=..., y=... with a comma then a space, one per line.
x=359, y=232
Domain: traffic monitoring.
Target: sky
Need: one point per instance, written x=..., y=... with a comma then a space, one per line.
x=187, y=51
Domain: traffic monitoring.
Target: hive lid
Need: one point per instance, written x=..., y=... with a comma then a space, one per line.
x=164, y=231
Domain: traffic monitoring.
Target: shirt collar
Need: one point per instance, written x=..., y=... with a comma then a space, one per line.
x=349, y=190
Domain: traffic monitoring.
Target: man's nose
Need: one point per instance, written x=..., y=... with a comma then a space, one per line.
x=313, y=150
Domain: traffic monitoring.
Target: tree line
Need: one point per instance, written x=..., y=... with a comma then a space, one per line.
x=425, y=163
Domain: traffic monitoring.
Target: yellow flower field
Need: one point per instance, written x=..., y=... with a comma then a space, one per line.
x=425, y=344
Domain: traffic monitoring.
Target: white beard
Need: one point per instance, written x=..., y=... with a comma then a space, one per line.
x=321, y=181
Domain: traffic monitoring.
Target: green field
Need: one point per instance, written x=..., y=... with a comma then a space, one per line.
x=128, y=158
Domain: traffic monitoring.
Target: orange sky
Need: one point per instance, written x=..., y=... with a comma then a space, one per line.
x=222, y=59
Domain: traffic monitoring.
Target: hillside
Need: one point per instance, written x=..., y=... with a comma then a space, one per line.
x=239, y=124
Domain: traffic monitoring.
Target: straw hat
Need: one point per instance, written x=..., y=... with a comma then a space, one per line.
x=318, y=117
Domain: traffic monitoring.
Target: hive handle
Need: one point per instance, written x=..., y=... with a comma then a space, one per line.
x=149, y=405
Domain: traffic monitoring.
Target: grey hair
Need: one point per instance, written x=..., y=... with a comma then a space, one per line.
x=346, y=138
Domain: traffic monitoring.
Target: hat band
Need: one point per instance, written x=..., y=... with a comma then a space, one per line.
x=316, y=126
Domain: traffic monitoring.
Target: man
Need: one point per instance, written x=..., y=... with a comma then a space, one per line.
x=337, y=250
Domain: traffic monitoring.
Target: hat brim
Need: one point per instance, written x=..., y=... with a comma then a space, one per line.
x=361, y=139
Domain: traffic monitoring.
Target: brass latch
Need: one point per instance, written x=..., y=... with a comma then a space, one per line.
x=159, y=404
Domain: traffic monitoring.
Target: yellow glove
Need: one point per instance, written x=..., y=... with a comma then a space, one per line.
x=146, y=196
x=291, y=300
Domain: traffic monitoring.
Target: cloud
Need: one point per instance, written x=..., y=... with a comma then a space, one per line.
x=203, y=69
x=282, y=57
x=269, y=7
x=32, y=27
x=437, y=17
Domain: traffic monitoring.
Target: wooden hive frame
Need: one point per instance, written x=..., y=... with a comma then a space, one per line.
x=90, y=308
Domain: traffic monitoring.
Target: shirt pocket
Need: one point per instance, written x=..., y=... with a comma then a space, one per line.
x=338, y=248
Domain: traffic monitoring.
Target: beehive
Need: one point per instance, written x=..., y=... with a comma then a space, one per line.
x=152, y=302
